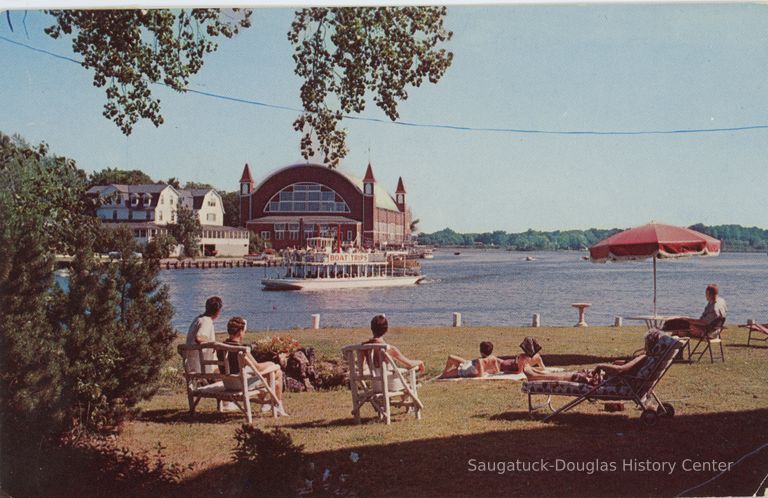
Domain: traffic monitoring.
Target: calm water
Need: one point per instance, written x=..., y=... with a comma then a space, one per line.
x=488, y=288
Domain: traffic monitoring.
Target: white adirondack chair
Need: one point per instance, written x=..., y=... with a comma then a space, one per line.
x=375, y=378
x=211, y=385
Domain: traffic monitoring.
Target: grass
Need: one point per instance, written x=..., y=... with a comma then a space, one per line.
x=721, y=414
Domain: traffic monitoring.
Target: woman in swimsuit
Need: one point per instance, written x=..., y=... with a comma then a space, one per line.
x=595, y=376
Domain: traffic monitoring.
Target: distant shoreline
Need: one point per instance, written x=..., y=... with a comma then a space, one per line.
x=500, y=248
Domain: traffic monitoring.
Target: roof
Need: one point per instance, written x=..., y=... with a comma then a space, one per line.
x=246, y=178
x=330, y=220
x=194, y=196
x=383, y=199
x=400, y=187
x=369, y=174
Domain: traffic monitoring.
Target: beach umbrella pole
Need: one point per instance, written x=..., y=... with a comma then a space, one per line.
x=654, y=286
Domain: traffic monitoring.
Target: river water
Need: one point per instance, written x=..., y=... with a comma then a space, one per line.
x=488, y=287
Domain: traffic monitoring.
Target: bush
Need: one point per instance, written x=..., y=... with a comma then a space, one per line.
x=83, y=358
x=271, y=458
x=270, y=348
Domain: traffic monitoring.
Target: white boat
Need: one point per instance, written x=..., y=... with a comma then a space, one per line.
x=318, y=268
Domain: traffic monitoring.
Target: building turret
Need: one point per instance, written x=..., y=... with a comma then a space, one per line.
x=246, y=189
x=400, y=195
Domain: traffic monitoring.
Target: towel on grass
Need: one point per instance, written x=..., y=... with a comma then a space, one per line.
x=498, y=376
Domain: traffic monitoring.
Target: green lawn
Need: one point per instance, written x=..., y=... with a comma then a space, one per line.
x=721, y=409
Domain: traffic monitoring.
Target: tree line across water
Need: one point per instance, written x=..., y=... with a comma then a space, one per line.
x=735, y=238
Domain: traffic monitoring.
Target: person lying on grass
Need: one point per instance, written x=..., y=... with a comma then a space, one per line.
x=487, y=364
x=597, y=375
x=236, y=329
x=379, y=327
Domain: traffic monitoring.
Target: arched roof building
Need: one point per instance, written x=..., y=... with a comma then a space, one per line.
x=304, y=200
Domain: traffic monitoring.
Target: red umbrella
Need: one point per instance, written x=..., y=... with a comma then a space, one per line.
x=654, y=240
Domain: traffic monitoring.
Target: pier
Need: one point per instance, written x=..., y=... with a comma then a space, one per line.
x=181, y=264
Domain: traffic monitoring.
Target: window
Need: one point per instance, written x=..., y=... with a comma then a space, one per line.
x=245, y=188
x=134, y=201
x=279, y=235
x=162, y=201
x=114, y=215
x=210, y=217
x=160, y=216
x=306, y=197
x=350, y=235
x=369, y=188
x=171, y=201
x=212, y=203
x=266, y=234
x=130, y=215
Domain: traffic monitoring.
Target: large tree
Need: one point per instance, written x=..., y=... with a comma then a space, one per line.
x=82, y=353
x=343, y=55
x=119, y=176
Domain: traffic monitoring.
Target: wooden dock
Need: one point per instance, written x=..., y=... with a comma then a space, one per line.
x=176, y=264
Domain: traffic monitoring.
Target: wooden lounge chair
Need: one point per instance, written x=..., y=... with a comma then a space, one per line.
x=710, y=338
x=638, y=388
x=211, y=385
x=756, y=329
x=375, y=378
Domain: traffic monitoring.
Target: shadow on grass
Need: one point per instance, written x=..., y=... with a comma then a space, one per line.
x=559, y=360
x=449, y=465
x=322, y=424
x=744, y=346
x=173, y=416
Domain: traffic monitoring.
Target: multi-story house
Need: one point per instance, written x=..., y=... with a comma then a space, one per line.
x=149, y=209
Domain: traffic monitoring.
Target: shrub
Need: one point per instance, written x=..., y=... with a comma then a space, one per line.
x=270, y=348
x=271, y=458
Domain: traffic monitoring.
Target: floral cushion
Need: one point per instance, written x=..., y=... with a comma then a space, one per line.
x=574, y=388
x=660, y=353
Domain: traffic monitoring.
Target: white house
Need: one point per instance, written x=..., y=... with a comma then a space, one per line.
x=149, y=209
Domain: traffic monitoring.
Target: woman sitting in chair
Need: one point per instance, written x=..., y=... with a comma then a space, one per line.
x=236, y=329
x=595, y=376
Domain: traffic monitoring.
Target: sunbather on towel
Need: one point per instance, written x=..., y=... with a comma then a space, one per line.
x=691, y=327
x=530, y=356
x=595, y=376
x=456, y=366
x=487, y=364
x=379, y=327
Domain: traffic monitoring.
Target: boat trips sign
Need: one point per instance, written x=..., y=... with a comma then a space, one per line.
x=348, y=258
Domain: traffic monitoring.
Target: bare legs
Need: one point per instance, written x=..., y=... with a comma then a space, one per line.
x=538, y=373
x=451, y=369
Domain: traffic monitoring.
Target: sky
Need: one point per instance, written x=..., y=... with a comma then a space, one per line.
x=568, y=68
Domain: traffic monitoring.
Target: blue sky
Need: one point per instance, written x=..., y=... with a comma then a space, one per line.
x=556, y=68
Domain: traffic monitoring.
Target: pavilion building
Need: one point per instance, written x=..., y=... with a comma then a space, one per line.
x=306, y=200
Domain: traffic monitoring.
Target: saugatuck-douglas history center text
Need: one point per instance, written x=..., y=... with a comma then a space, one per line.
x=593, y=466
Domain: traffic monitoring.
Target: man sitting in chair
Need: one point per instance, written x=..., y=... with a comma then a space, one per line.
x=236, y=329
x=379, y=327
x=691, y=327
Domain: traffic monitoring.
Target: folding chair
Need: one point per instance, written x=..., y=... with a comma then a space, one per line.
x=638, y=388
x=375, y=378
x=711, y=337
x=756, y=329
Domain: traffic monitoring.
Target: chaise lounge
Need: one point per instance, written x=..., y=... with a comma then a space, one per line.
x=638, y=388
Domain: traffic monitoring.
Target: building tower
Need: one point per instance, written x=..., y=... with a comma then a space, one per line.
x=246, y=189
x=369, y=209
